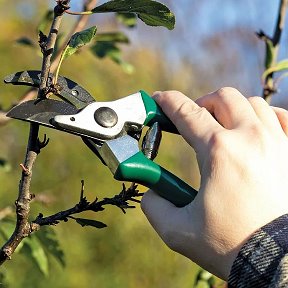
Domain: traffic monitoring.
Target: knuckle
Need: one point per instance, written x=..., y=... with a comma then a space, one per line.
x=256, y=100
x=256, y=132
x=227, y=92
x=171, y=93
x=220, y=145
x=186, y=110
x=218, y=140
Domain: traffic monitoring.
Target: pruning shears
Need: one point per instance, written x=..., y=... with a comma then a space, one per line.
x=111, y=130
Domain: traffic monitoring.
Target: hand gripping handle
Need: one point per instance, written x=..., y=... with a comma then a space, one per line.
x=155, y=114
x=142, y=170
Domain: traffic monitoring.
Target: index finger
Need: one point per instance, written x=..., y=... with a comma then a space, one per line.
x=194, y=123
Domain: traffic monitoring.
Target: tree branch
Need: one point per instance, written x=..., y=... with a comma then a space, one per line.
x=273, y=51
x=120, y=201
x=79, y=25
x=22, y=228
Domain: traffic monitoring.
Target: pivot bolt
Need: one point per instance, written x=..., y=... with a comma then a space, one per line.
x=106, y=117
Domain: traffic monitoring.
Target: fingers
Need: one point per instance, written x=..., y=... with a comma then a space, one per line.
x=265, y=113
x=229, y=106
x=282, y=116
x=162, y=215
x=194, y=123
x=156, y=209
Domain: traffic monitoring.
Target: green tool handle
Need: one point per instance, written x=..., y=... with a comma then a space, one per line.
x=144, y=171
x=155, y=114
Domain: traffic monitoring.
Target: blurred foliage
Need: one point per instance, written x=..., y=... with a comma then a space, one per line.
x=127, y=253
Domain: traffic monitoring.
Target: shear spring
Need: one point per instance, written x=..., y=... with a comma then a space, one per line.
x=151, y=141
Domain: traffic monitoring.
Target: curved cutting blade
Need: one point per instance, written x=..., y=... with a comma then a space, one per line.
x=41, y=111
x=65, y=88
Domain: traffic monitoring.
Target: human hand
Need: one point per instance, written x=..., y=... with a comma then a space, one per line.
x=242, y=152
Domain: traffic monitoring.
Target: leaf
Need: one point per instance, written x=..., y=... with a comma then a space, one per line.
x=204, y=279
x=110, y=50
x=89, y=222
x=202, y=284
x=280, y=66
x=37, y=252
x=270, y=53
x=128, y=19
x=48, y=238
x=78, y=40
x=118, y=37
x=7, y=227
x=150, y=12
x=5, y=165
x=45, y=21
x=3, y=283
x=25, y=41
x=104, y=49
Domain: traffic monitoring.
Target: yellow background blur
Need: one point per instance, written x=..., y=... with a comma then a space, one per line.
x=127, y=253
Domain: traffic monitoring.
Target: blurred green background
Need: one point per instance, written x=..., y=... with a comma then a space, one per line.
x=212, y=46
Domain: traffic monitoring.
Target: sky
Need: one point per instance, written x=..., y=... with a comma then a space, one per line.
x=199, y=21
x=198, y=26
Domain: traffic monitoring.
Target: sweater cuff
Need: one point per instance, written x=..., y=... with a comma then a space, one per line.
x=258, y=259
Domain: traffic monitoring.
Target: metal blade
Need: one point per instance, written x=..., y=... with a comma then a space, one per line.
x=41, y=111
x=65, y=88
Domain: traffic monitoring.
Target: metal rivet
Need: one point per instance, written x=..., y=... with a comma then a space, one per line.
x=75, y=93
x=106, y=117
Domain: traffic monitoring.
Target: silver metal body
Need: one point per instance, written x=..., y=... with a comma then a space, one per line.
x=87, y=120
x=118, y=150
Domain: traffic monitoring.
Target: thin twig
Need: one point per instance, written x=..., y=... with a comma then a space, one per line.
x=79, y=25
x=22, y=228
x=120, y=200
x=269, y=87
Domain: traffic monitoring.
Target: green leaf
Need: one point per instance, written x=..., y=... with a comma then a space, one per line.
x=5, y=165
x=3, y=283
x=78, y=40
x=37, y=252
x=150, y=12
x=110, y=50
x=128, y=19
x=280, y=66
x=204, y=279
x=89, y=222
x=7, y=227
x=270, y=53
x=45, y=21
x=202, y=284
x=25, y=41
x=48, y=238
x=118, y=37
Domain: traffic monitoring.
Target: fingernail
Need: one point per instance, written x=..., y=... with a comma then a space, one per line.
x=156, y=94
